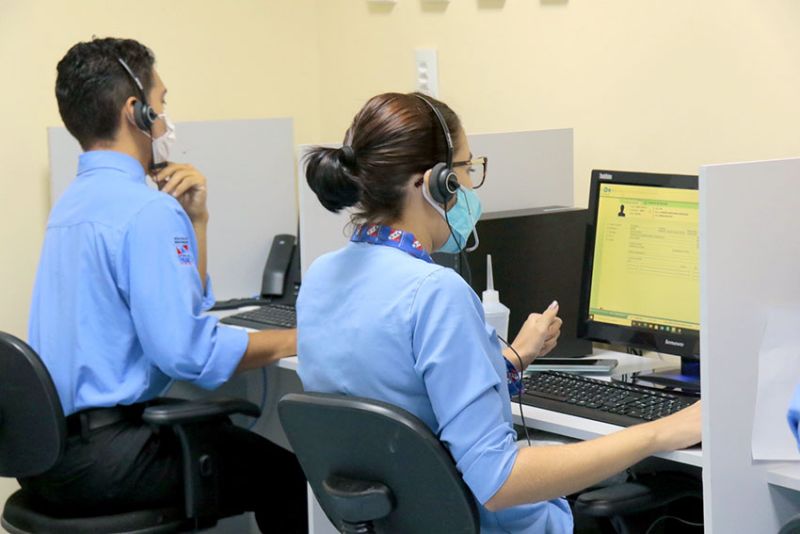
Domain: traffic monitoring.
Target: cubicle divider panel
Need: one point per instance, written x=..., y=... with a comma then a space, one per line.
x=528, y=169
x=252, y=196
x=749, y=263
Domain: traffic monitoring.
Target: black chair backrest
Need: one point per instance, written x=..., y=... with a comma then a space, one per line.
x=32, y=423
x=338, y=437
x=792, y=526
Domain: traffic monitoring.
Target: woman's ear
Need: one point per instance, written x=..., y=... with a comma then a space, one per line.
x=420, y=180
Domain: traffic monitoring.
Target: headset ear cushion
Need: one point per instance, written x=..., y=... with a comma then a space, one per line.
x=442, y=183
x=143, y=115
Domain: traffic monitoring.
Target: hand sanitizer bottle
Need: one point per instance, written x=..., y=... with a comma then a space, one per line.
x=495, y=312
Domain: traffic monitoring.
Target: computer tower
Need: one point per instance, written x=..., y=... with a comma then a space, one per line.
x=537, y=257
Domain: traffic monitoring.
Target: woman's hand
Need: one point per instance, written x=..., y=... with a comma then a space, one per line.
x=679, y=430
x=538, y=335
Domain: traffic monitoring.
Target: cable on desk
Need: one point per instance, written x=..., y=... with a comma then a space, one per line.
x=519, y=393
x=263, y=397
x=676, y=518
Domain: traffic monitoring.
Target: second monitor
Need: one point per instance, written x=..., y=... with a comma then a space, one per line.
x=537, y=257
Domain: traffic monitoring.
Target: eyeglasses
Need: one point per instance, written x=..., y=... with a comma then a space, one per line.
x=477, y=169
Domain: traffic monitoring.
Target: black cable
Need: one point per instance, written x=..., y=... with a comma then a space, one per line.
x=519, y=394
x=676, y=518
x=458, y=243
x=447, y=220
x=464, y=268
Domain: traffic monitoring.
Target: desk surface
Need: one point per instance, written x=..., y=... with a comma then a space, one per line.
x=785, y=475
x=570, y=425
x=579, y=427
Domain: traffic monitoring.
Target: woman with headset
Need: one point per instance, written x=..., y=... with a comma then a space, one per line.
x=379, y=319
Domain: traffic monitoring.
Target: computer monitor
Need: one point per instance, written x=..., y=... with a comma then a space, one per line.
x=641, y=277
x=537, y=257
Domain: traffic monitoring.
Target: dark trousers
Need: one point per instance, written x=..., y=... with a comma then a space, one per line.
x=128, y=465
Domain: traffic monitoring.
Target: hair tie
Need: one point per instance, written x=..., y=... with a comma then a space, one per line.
x=347, y=156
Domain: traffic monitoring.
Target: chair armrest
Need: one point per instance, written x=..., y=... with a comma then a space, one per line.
x=644, y=494
x=196, y=411
x=198, y=440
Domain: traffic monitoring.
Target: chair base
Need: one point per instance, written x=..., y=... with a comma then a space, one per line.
x=21, y=516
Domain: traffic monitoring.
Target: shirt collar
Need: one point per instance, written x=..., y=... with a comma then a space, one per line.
x=379, y=234
x=108, y=159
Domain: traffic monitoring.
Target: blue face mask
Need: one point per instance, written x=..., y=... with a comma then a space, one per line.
x=462, y=218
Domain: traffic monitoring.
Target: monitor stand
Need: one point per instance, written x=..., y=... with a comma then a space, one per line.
x=686, y=379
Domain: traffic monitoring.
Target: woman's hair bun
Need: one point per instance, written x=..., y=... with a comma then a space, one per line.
x=329, y=173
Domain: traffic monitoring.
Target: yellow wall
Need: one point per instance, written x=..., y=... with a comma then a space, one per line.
x=647, y=84
x=651, y=85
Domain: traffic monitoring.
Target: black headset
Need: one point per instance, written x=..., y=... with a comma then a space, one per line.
x=443, y=182
x=143, y=115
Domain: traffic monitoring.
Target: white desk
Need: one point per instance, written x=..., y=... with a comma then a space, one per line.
x=785, y=475
x=579, y=427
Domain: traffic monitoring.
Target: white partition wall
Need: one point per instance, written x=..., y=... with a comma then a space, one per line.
x=530, y=169
x=249, y=165
x=750, y=262
x=526, y=170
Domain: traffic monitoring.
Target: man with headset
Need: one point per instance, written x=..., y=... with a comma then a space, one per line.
x=117, y=311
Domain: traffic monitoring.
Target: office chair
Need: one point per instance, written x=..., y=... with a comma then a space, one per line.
x=632, y=507
x=33, y=435
x=375, y=468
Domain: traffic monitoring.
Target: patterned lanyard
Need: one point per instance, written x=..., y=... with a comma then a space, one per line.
x=378, y=234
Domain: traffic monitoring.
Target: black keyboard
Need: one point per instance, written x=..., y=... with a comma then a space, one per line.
x=269, y=316
x=610, y=402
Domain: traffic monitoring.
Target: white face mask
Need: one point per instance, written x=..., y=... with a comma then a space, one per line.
x=163, y=144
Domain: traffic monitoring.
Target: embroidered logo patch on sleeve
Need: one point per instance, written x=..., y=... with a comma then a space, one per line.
x=183, y=250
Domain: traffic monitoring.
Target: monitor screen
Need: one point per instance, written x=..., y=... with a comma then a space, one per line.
x=642, y=278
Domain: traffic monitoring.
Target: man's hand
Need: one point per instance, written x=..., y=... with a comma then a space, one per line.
x=267, y=347
x=538, y=335
x=188, y=186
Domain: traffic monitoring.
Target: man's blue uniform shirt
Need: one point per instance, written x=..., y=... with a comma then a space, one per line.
x=117, y=309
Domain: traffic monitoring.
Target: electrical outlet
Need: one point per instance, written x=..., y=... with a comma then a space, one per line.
x=427, y=72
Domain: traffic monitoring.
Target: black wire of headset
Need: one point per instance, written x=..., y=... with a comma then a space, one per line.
x=463, y=267
x=507, y=344
x=519, y=394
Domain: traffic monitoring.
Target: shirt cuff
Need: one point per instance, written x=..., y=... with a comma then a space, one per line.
x=487, y=474
x=514, y=378
x=230, y=346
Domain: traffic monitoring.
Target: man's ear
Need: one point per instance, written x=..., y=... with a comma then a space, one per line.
x=126, y=113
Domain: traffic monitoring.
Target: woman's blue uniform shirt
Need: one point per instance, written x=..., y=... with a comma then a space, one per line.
x=117, y=309
x=373, y=321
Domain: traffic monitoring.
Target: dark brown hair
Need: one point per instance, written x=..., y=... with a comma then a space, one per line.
x=92, y=86
x=392, y=138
